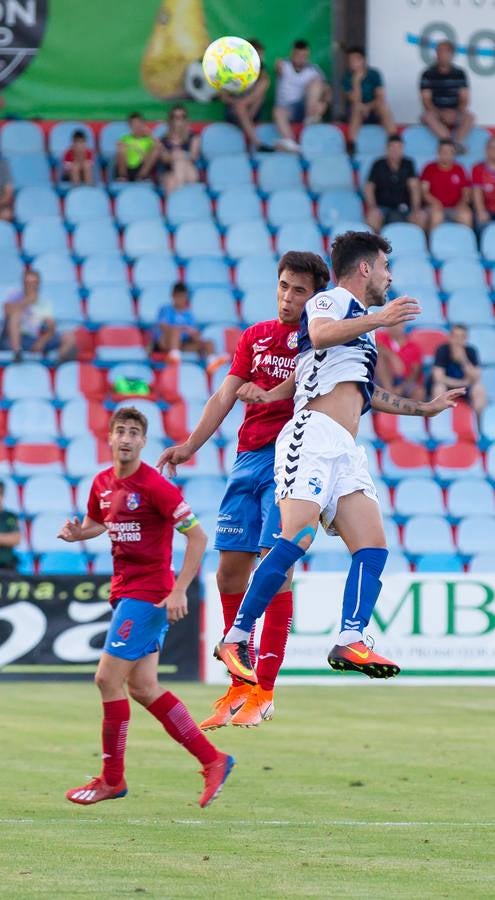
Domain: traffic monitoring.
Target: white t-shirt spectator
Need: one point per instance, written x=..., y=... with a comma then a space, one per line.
x=291, y=85
x=33, y=315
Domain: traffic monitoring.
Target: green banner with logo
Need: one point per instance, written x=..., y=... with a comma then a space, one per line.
x=86, y=59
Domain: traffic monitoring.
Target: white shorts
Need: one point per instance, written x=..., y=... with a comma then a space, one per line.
x=317, y=459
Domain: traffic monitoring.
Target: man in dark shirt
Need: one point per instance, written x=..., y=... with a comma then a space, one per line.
x=392, y=191
x=10, y=536
x=365, y=96
x=445, y=97
x=457, y=364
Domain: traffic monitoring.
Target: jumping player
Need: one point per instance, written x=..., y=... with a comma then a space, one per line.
x=248, y=519
x=140, y=510
x=320, y=473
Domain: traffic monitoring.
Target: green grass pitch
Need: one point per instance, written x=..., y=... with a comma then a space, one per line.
x=372, y=791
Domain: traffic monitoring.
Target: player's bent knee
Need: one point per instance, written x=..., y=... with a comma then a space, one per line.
x=303, y=538
x=144, y=693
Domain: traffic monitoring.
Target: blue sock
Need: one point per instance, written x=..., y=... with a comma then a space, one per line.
x=267, y=579
x=362, y=587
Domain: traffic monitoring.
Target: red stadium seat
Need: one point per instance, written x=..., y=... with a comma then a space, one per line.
x=119, y=341
x=175, y=421
x=386, y=427
x=464, y=422
x=459, y=459
x=401, y=458
x=98, y=419
x=31, y=459
x=429, y=339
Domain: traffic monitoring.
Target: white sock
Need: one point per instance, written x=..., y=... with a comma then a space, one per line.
x=349, y=637
x=236, y=635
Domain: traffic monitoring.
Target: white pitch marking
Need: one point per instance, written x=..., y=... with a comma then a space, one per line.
x=281, y=823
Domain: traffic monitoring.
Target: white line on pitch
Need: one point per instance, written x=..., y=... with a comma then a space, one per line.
x=280, y=823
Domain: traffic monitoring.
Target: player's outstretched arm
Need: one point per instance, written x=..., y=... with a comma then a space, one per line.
x=176, y=602
x=251, y=393
x=73, y=531
x=386, y=401
x=215, y=411
x=327, y=332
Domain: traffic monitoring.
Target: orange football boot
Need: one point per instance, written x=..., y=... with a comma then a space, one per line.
x=95, y=790
x=358, y=657
x=226, y=707
x=258, y=708
x=235, y=655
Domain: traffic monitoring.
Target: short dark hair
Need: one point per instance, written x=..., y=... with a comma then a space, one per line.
x=350, y=248
x=308, y=264
x=256, y=44
x=300, y=45
x=395, y=139
x=134, y=115
x=460, y=325
x=126, y=414
x=79, y=135
x=356, y=48
x=444, y=141
x=448, y=43
x=180, y=287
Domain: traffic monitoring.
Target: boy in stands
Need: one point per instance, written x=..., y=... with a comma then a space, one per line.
x=248, y=519
x=140, y=510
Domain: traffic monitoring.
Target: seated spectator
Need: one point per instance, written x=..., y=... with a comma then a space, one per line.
x=134, y=151
x=30, y=326
x=10, y=536
x=245, y=109
x=78, y=159
x=176, y=152
x=176, y=329
x=446, y=188
x=484, y=186
x=457, y=364
x=301, y=94
x=6, y=192
x=399, y=366
x=445, y=98
x=365, y=96
x=392, y=191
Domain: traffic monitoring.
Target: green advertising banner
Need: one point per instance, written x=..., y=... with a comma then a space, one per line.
x=85, y=59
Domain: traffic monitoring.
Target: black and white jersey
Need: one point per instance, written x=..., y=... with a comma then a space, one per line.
x=318, y=371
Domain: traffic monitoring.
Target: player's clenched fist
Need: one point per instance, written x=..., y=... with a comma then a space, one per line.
x=251, y=393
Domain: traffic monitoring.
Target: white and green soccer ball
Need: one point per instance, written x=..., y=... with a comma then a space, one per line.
x=231, y=64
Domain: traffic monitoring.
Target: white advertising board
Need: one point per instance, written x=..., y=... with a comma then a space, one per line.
x=435, y=626
x=402, y=35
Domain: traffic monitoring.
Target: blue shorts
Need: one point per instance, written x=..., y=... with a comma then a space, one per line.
x=137, y=628
x=249, y=518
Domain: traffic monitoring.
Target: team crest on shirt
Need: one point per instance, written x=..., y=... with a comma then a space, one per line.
x=323, y=303
x=292, y=340
x=315, y=484
x=132, y=501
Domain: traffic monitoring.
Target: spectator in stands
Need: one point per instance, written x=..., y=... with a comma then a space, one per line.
x=176, y=152
x=457, y=364
x=176, y=328
x=78, y=159
x=484, y=186
x=10, y=536
x=134, y=150
x=245, y=109
x=446, y=188
x=365, y=96
x=30, y=326
x=445, y=98
x=399, y=366
x=6, y=192
x=301, y=94
x=392, y=191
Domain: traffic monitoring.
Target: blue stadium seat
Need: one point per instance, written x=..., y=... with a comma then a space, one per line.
x=383, y=493
x=321, y=140
x=60, y=562
x=151, y=299
x=191, y=382
x=475, y=535
x=487, y=243
x=11, y=494
x=102, y=563
x=44, y=235
x=238, y=204
x=482, y=562
x=431, y=308
x=489, y=382
x=74, y=418
x=470, y=497
x=228, y=172
x=83, y=489
x=330, y=173
x=82, y=204
x=47, y=493
x=406, y=239
x=221, y=138
x=197, y=239
x=100, y=269
x=110, y=304
x=95, y=236
x=22, y=137
x=232, y=422
x=188, y=203
x=336, y=206
x=205, y=463
x=229, y=455
x=344, y=225
x=391, y=533
x=205, y=494
x=82, y=457
x=259, y=304
x=30, y=380
x=12, y=271
x=56, y=267
x=439, y=562
x=278, y=171
x=247, y=239
x=207, y=271
x=290, y=205
x=304, y=236
x=152, y=413
x=396, y=562
x=328, y=560
x=462, y=273
x=428, y=534
x=32, y=202
x=152, y=450
x=453, y=241
x=60, y=137
x=418, y=496
x=109, y=136
x=330, y=544
x=44, y=530
x=29, y=170
x=441, y=428
x=488, y=418
x=218, y=376
x=253, y=271
x=472, y=307
x=136, y=202
x=408, y=270
x=154, y=268
x=8, y=242
x=32, y=419
x=475, y=142
x=371, y=141
x=268, y=134
x=363, y=162
x=419, y=142
x=213, y=304
x=145, y=236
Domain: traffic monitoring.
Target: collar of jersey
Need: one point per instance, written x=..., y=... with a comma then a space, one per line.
x=343, y=294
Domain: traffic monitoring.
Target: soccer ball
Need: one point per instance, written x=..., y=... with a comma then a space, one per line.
x=231, y=64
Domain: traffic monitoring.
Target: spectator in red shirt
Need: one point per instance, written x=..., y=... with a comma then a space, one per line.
x=484, y=186
x=78, y=159
x=400, y=363
x=446, y=188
